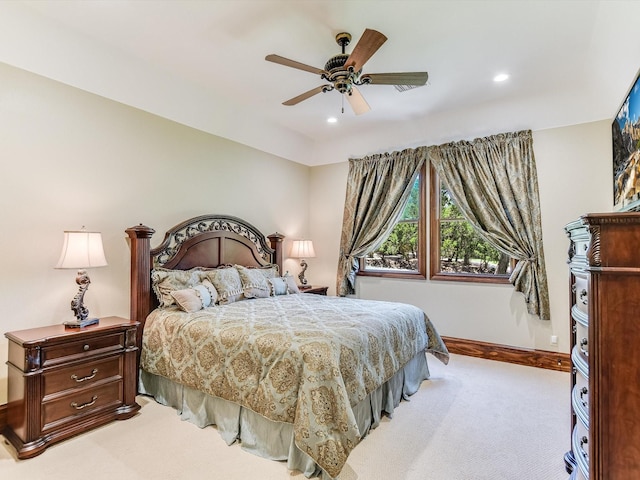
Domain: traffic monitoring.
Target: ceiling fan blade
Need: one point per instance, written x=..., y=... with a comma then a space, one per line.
x=368, y=44
x=411, y=78
x=309, y=94
x=293, y=64
x=357, y=102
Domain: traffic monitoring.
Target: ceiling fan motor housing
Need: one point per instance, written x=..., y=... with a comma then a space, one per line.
x=341, y=77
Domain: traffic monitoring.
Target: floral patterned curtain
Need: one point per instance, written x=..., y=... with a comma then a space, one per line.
x=493, y=181
x=378, y=188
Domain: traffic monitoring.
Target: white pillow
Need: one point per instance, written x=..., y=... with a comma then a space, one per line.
x=278, y=286
x=292, y=286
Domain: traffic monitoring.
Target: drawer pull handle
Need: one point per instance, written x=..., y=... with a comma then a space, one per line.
x=574, y=287
x=88, y=377
x=86, y=347
x=88, y=404
x=583, y=297
x=584, y=441
x=583, y=347
x=583, y=392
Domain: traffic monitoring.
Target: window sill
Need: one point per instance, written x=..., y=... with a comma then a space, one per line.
x=470, y=278
x=411, y=275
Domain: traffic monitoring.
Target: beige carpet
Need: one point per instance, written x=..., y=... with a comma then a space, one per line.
x=474, y=420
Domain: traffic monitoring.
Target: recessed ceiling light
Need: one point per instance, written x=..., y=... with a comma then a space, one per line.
x=332, y=120
x=500, y=77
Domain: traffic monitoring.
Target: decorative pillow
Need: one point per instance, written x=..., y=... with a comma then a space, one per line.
x=227, y=282
x=278, y=286
x=206, y=289
x=254, y=282
x=269, y=271
x=292, y=286
x=164, y=281
x=196, y=298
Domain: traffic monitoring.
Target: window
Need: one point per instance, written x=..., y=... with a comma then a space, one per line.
x=403, y=254
x=457, y=251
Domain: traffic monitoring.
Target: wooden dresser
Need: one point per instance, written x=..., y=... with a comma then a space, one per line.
x=64, y=381
x=604, y=260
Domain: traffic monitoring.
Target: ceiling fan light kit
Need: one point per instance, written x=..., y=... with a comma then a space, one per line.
x=344, y=71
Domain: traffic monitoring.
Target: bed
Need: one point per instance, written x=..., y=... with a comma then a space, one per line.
x=226, y=340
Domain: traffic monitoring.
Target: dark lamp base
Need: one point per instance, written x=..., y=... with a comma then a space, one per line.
x=81, y=323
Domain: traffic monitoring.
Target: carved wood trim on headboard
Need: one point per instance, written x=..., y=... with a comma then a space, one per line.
x=220, y=225
x=182, y=248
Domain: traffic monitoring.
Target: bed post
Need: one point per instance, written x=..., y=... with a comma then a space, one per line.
x=140, y=293
x=275, y=240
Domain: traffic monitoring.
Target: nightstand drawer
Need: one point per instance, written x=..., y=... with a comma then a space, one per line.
x=81, y=375
x=80, y=403
x=68, y=351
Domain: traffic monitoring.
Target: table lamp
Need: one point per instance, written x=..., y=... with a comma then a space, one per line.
x=302, y=249
x=81, y=250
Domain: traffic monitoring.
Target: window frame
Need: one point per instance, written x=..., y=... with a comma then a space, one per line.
x=434, y=236
x=421, y=273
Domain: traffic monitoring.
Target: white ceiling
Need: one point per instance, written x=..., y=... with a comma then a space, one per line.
x=201, y=63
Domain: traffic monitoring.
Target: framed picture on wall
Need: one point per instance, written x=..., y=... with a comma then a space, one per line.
x=625, y=131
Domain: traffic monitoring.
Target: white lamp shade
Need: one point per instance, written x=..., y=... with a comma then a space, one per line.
x=302, y=249
x=82, y=250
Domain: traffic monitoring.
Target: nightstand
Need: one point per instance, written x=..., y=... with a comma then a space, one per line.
x=310, y=289
x=63, y=382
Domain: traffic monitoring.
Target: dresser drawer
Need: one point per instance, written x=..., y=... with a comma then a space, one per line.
x=580, y=446
x=80, y=403
x=581, y=392
x=579, y=316
x=580, y=362
x=582, y=341
x=54, y=354
x=581, y=291
x=580, y=403
x=81, y=375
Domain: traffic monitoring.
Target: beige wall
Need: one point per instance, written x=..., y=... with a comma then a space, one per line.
x=574, y=169
x=69, y=158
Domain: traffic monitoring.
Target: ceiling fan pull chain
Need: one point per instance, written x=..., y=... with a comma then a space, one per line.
x=342, y=99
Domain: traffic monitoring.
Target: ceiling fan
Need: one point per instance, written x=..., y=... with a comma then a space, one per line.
x=344, y=71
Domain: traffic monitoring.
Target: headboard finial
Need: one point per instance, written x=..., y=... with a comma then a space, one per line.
x=140, y=231
x=275, y=239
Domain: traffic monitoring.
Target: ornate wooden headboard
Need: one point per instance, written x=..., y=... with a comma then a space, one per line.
x=205, y=241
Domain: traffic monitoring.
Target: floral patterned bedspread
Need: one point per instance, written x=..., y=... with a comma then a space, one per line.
x=303, y=359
